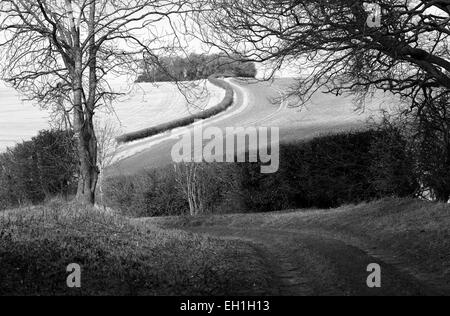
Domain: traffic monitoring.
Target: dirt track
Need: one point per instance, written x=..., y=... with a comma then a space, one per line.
x=309, y=264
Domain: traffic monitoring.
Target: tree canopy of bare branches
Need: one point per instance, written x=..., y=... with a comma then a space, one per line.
x=333, y=46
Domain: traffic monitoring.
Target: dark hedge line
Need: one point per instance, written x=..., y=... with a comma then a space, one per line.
x=39, y=169
x=152, y=131
x=150, y=193
x=326, y=172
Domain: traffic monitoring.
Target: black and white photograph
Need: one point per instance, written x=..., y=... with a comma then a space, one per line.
x=216, y=156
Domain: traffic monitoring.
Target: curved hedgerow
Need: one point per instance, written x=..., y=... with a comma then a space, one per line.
x=186, y=121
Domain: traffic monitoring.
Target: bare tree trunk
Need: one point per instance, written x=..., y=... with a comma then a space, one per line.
x=190, y=181
x=87, y=150
x=84, y=125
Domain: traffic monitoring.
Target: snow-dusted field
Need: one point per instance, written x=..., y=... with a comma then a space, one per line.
x=142, y=106
x=146, y=105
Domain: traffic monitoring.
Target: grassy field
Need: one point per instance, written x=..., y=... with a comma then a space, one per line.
x=410, y=234
x=117, y=257
x=145, y=104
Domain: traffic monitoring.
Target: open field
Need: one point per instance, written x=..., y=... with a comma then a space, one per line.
x=143, y=105
x=317, y=252
x=146, y=105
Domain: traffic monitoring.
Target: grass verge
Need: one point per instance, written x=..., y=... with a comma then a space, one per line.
x=118, y=257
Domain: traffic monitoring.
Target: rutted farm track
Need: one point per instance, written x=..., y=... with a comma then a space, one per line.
x=305, y=264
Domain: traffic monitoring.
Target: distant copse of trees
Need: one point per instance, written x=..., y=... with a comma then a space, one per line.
x=194, y=67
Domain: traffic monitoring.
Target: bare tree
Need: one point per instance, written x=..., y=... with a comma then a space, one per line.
x=107, y=131
x=191, y=181
x=427, y=129
x=61, y=53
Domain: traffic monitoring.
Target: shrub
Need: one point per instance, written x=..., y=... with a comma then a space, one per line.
x=430, y=143
x=152, y=193
x=393, y=167
x=418, y=145
x=330, y=171
x=38, y=169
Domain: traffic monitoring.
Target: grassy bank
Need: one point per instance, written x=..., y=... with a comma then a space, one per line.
x=118, y=257
x=412, y=234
